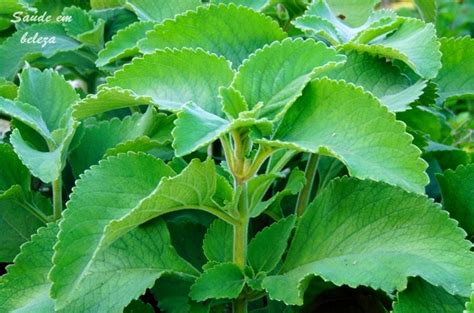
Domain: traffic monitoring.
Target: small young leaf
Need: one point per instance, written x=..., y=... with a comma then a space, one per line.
x=457, y=188
x=356, y=233
x=289, y=65
x=336, y=119
x=8, y=89
x=233, y=102
x=421, y=297
x=267, y=247
x=241, y=32
x=223, y=281
x=217, y=244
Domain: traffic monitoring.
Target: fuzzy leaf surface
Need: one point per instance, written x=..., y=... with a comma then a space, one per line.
x=277, y=74
x=372, y=234
x=217, y=244
x=230, y=31
x=337, y=119
x=174, y=77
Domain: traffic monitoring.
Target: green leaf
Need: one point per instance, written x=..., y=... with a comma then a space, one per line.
x=100, y=136
x=428, y=9
x=424, y=58
x=124, y=270
x=50, y=93
x=159, y=10
x=376, y=235
x=172, y=293
x=421, y=297
x=266, y=249
x=223, y=281
x=383, y=79
x=188, y=138
x=18, y=221
x=323, y=20
x=107, y=99
x=257, y=5
x=241, y=31
x=337, y=119
x=217, y=244
x=124, y=43
x=139, y=144
x=457, y=188
x=289, y=65
x=174, y=77
x=25, y=287
x=470, y=304
x=47, y=166
x=233, y=102
x=13, y=172
x=137, y=306
x=13, y=53
x=81, y=22
x=353, y=13
x=113, y=199
x=455, y=79
x=8, y=89
x=27, y=114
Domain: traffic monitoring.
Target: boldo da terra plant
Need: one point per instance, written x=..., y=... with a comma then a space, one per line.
x=234, y=156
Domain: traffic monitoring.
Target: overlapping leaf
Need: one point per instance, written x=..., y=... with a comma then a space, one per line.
x=230, y=31
x=381, y=78
x=373, y=234
x=159, y=10
x=13, y=52
x=112, y=200
x=421, y=297
x=457, y=188
x=337, y=119
x=455, y=79
x=174, y=77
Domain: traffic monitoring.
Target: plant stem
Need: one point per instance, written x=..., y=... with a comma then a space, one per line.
x=305, y=193
x=57, y=198
x=240, y=243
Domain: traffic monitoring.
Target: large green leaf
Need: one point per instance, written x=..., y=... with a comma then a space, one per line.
x=352, y=12
x=222, y=281
x=25, y=287
x=457, y=188
x=159, y=10
x=174, y=77
x=288, y=65
x=372, y=234
x=231, y=31
x=123, y=43
x=383, y=79
x=337, y=119
x=124, y=270
x=13, y=52
x=113, y=199
x=421, y=297
x=50, y=93
x=455, y=79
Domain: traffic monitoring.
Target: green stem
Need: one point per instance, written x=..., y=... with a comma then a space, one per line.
x=240, y=244
x=57, y=198
x=305, y=193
